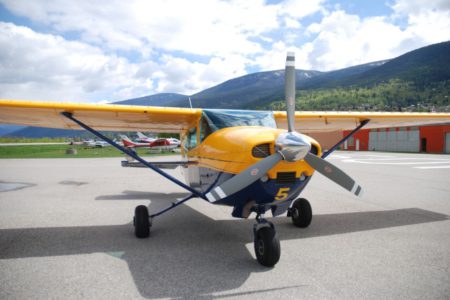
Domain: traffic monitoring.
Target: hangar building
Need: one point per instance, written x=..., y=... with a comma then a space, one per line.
x=427, y=138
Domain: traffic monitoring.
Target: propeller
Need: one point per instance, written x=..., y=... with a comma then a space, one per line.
x=333, y=173
x=289, y=90
x=291, y=146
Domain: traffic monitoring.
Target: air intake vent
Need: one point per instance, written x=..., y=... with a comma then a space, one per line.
x=314, y=150
x=285, y=177
x=261, y=151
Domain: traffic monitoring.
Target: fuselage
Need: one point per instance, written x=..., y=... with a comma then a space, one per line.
x=217, y=151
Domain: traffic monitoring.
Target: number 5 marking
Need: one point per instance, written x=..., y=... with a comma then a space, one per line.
x=282, y=194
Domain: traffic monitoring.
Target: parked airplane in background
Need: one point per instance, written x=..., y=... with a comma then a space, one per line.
x=242, y=159
x=95, y=144
x=162, y=144
x=142, y=138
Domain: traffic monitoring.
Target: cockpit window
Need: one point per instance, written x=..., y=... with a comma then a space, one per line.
x=190, y=141
x=218, y=119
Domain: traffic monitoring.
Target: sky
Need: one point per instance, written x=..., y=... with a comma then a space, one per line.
x=110, y=50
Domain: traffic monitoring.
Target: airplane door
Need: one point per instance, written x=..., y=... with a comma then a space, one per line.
x=423, y=143
x=357, y=145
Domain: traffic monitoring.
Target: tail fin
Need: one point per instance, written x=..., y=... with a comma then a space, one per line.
x=141, y=135
x=127, y=142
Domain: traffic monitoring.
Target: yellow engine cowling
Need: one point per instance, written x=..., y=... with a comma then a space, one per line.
x=234, y=149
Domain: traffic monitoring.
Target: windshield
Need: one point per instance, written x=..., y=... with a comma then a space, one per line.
x=218, y=119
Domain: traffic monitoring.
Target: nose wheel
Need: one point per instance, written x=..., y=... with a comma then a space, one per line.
x=267, y=244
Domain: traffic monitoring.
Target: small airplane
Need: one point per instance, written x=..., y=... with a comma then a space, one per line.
x=254, y=161
x=145, y=139
x=95, y=144
x=162, y=144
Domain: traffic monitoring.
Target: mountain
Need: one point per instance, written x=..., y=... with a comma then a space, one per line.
x=243, y=91
x=423, y=66
x=38, y=132
x=7, y=128
x=418, y=79
x=162, y=99
x=335, y=78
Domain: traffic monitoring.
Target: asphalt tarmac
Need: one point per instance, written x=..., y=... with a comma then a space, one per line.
x=66, y=233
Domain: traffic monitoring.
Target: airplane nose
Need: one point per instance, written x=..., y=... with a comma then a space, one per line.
x=293, y=146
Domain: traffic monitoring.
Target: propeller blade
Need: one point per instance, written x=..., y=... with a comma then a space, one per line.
x=244, y=179
x=289, y=90
x=334, y=173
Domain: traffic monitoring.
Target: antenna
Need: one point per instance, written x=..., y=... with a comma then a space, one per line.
x=190, y=102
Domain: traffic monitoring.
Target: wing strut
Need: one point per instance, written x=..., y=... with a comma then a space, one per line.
x=134, y=155
x=363, y=123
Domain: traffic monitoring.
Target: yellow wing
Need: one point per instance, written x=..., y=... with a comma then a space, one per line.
x=100, y=117
x=161, y=119
x=310, y=122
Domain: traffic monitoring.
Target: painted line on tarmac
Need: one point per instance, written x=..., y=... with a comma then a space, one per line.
x=433, y=167
x=392, y=163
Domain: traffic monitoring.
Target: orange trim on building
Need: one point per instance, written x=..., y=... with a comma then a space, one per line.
x=433, y=138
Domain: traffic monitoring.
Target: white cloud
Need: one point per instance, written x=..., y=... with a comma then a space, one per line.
x=43, y=66
x=38, y=66
x=292, y=23
x=166, y=33
x=341, y=40
x=344, y=40
x=427, y=21
x=415, y=7
x=187, y=46
x=299, y=9
x=274, y=58
x=211, y=28
x=196, y=27
x=180, y=75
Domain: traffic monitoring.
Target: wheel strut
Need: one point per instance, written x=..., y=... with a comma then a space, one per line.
x=266, y=243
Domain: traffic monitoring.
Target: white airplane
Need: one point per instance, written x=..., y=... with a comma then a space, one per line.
x=145, y=139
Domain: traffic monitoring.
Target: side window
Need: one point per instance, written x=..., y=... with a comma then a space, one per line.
x=205, y=130
x=191, y=139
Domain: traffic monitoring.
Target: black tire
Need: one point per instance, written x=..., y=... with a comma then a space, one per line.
x=301, y=213
x=141, y=222
x=267, y=246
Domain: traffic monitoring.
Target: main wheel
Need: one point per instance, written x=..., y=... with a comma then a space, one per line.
x=267, y=246
x=301, y=213
x=141, y=222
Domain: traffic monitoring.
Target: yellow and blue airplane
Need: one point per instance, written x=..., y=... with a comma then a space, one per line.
x=254, y=161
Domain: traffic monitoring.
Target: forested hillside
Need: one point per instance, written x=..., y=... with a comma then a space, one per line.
x=394, y=95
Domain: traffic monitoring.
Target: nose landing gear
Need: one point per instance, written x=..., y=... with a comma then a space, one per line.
x=267, y=244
